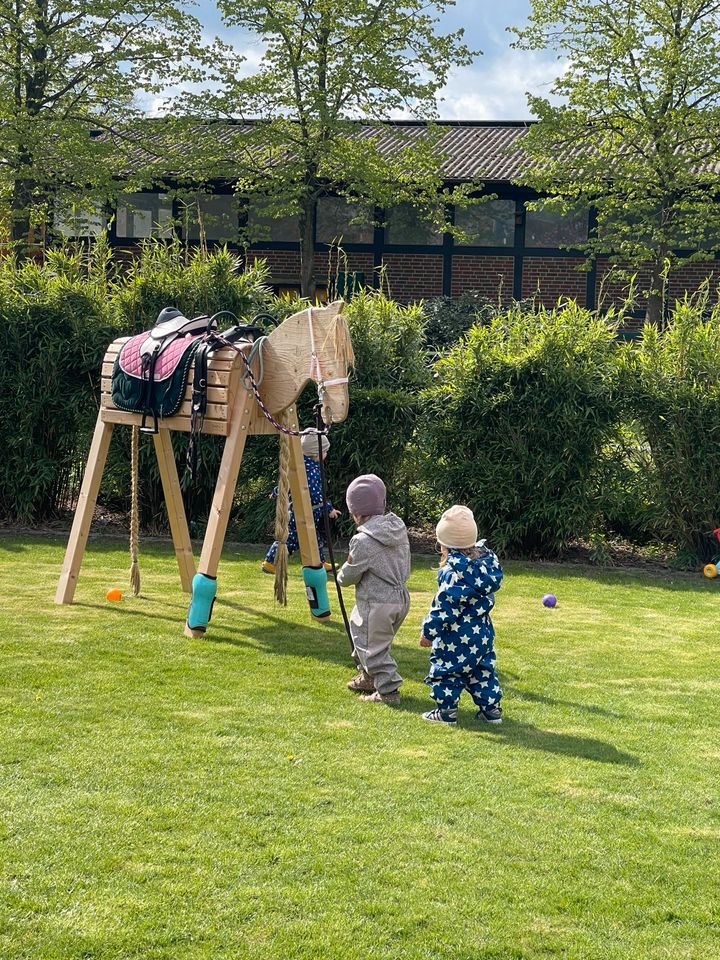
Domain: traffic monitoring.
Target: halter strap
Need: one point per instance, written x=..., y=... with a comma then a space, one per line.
x=315, y=371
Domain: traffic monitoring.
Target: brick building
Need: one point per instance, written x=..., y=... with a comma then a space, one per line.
x=513, y=253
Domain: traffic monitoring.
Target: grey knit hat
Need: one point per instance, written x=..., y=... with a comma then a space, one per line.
x=309, y=444
x=365, y=496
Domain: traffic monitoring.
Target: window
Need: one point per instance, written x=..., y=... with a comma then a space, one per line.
x=546, y=228
x=144, y=215
x=333, y=222
x=488, y=224
x=77, y=221
x=276, y=229
x=214, y=217
x=405, y=226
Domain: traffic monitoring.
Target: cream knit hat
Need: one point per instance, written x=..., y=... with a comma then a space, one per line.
x=309, y=444
x=457, y=528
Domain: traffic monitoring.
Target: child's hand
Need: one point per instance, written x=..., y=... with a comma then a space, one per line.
x=334, y=514
x=349, y=559
x=424, y=642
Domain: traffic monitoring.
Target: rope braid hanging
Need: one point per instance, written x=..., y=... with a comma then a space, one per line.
x=134, y=513
x=282, y=520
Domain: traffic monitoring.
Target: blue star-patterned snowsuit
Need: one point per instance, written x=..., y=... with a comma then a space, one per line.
x=461, y=631
x=312, y=468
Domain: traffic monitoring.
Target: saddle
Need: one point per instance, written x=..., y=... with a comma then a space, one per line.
x=152, y=368
x=151, y=371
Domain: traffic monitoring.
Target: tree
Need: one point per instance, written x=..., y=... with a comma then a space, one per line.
x=638, y=134
x=68, y=70
x=327, y=64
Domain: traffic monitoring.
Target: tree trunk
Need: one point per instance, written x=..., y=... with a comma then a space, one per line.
x=308, y=216
x=20, y=206
x=655, y=310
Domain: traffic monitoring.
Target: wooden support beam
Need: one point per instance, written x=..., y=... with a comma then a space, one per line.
x=84, y=511
x=175, y=508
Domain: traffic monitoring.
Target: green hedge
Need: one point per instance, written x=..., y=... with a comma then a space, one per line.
x=54, y=327
x=540, y=420
x=673, y=383
x=521, y=409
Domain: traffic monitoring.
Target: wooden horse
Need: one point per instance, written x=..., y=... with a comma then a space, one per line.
x=311, y=345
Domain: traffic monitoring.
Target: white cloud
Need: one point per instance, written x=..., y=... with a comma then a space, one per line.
x=497, y=90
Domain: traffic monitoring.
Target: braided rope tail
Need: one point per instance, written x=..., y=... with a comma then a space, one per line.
x=328, y=532
x=134, y=513
x=282, y=521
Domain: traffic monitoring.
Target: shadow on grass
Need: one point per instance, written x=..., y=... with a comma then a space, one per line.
x=527, y=735
x=531, y=697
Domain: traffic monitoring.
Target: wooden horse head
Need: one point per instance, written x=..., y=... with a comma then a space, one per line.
x=311, y=345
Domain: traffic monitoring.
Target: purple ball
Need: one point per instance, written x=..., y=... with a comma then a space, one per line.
x=549, y=600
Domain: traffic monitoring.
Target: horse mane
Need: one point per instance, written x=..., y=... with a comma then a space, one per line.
x=343, y=348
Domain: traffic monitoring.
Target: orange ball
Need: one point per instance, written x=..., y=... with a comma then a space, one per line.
x=114, y=594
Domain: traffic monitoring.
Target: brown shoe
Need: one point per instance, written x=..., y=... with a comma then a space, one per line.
x=377, y=697
x=362, y=683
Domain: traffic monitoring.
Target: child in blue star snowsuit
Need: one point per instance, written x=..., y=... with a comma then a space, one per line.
x=458, y=626
x=309, y=443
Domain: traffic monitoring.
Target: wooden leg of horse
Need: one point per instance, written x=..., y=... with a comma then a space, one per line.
x=175, y=508
x=302, y=506
x=203, y=592
x=314, y=574
x=84, y=511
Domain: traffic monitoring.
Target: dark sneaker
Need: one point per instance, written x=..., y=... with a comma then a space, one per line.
x=448, y=717
x=377, y=697
x=489, y=714
x=362, y=683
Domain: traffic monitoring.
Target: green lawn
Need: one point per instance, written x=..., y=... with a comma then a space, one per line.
x=229, y=798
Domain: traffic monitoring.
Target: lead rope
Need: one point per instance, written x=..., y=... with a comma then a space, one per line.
x=328, y=536
x=282, y=522
x=134, y=513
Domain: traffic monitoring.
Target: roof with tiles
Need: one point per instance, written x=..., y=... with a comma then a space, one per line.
x=483, y=150
x=473, y=150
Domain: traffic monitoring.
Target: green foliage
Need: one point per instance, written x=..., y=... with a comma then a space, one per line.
x=520, y=412
x=639, y=96
x=69, y=69
x=324, y=64
x=448, y=318
x=54, y=329
x=673, y=377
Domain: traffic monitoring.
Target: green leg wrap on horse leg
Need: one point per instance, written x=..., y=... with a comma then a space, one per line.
x=316, y=589
x=202, y=599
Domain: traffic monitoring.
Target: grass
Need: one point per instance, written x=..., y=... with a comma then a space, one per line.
x=165, y=798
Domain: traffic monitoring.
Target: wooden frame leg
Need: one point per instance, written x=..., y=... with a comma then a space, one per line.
x=224, y=491
x=84, y=511
x=175, y=508
x=302, y=505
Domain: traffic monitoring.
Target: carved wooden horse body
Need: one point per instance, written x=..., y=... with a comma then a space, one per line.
x=313, y=344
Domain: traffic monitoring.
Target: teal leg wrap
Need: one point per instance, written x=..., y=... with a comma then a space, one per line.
x=204, y=589
x=316, y=588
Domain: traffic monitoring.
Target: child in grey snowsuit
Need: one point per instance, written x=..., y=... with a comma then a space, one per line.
x=379, y=566
x=458, y=626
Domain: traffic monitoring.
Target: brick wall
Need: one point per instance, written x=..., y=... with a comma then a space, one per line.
x=549, y=278
x=492, y=277
x=612, y=289
x=413, y=276
x=284, y=265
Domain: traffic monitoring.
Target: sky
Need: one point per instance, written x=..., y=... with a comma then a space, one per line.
x=493, y=88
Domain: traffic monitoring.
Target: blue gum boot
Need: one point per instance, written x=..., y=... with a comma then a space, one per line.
x=316, y=589
x=204, y=589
